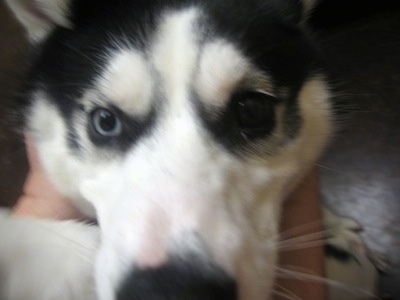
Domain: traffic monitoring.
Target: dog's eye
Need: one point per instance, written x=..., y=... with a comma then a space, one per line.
x=255, y=112
x=106, y=123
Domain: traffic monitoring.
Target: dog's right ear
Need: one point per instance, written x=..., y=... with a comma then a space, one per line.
x=309, y=6
x=39, y=17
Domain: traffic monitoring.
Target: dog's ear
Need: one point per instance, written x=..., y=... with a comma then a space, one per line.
x=308, y=7
x=39, y=17
x=294, y=12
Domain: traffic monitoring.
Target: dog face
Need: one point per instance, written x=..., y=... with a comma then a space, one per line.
x=180, y=126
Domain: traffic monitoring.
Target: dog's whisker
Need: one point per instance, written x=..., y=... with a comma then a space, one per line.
x=284, y=293
x=305, y=237
x=82, y=54
x=300, y=229
x=304, y=241
x=80, y=245
x=292, y=272
x=326, y=167
x=281, y=295
x=301, y=246
x=70, y=85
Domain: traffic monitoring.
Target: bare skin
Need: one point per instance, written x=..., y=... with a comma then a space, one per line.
x=41, y=200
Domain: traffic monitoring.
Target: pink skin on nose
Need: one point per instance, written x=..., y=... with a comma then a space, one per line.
x=153, y=251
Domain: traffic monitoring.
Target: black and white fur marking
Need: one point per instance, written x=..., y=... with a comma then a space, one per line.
x=180, y=126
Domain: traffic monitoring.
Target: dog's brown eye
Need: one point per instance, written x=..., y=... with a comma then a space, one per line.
x=106, y=123
x=255, y=112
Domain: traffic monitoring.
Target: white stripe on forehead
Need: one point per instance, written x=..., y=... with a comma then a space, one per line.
x=214, y=70
x=175, y=53
x=127, y=82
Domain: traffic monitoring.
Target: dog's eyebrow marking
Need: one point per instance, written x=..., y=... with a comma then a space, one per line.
x=222, y=70
x=127, y=82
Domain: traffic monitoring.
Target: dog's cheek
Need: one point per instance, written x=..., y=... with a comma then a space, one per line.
x=102, y=186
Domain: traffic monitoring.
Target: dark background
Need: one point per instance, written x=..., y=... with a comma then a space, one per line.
x=361, y=169
x=360, y=173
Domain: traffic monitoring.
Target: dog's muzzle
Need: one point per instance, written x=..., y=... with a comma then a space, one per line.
x=179, y=279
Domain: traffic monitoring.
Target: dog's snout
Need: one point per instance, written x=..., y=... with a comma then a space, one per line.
x=183, y=280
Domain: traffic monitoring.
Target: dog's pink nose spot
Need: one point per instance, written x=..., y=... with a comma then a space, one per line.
x=153, y=251
x=152, y=256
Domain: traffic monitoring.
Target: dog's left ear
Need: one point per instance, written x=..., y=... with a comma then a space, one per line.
x=308, y=7
x=39, y=17
x=295, y=12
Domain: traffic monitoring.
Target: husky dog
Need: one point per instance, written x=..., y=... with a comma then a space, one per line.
x=180, y=126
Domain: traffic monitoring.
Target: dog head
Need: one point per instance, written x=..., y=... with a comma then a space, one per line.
x=181, y=126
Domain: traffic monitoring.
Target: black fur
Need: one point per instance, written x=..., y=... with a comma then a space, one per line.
x=269, y=32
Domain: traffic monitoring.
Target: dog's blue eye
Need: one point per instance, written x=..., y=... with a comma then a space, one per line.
x=106, y=123
x=255, y=112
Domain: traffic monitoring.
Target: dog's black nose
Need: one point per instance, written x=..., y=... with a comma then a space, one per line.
x=178, y=280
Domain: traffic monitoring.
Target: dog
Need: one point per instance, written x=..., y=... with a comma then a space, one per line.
x=180, y=127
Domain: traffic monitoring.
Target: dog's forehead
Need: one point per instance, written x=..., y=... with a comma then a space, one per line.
x=127, y=83
x=147, y=65
x=178, y=61
x=136, y=56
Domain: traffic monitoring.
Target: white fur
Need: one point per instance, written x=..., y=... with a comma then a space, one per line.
x=174, y=56
x=49, y=131
x=167, y=185
x=50, y=259
x=40, y=16
x=127, y=83
x=222, y=68
x=177, y=180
